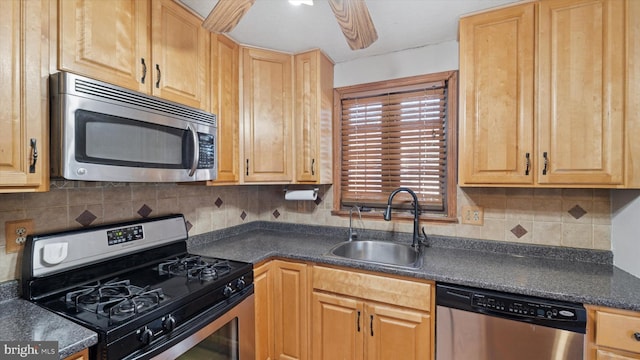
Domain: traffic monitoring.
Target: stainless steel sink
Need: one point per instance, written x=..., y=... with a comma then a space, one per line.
x=380, y=252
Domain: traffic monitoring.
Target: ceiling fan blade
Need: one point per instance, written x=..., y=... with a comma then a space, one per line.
x=226, y=15
x=355, y=21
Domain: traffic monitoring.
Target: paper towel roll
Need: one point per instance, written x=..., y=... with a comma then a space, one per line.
x=301, y=195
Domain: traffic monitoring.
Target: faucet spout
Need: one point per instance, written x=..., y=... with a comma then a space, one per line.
x=416, y=213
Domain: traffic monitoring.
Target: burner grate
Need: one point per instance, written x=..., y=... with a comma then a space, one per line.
x=194, y=267
x=117, y=300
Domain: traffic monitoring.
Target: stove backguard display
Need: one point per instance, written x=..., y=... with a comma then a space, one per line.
x=126, y=234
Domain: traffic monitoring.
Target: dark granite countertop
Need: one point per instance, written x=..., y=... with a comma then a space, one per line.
x=575, y=275
x=24, y=321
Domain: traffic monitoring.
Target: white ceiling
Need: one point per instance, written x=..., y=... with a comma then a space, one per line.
x=401, y=25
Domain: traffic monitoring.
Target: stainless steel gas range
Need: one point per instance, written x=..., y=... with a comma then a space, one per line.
x=136, y=285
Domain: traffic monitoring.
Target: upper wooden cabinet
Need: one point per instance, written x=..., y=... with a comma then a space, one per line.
x=496, y=97
x=560, y=124
x=312, y=117
x=157, y=47
x=225, y=96
x=266, y=125
x=180, y=54
x=106, y=40
x=24, y=51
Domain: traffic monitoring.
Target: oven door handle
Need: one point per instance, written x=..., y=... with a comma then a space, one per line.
x=196, y=149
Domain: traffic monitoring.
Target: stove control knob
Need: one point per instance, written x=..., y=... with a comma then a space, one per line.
x=169, y=323
x=146, y=336
x=240, y=284
x=227, y=291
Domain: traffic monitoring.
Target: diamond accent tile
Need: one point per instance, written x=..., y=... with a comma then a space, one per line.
x=318, y=200
x=189, y=225
x=276, y=213
x=86, y=218
x=243, y=215
x=519, y=231
x=577, y=212
x=144, y=211
x=219, y=203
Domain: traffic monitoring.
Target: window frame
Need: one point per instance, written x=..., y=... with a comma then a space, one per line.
x=380, y=87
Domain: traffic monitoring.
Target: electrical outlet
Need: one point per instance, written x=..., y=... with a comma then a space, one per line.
x=473, y=215
x=16, y=234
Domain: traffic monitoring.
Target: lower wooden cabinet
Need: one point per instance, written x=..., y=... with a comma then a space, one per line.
x=612, y=334
x=81, y=355
x=281, y=298
x=365, y=316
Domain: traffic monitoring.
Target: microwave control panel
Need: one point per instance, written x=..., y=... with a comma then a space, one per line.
x=207, y=156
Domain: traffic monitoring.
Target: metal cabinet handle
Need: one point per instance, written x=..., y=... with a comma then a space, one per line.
x=546, y=163
x=358, y=321
x=144, y=71
x=159, y=75
x=636, y=336
x=34, y=156
x=528, y=162
x=247, y=173
x=313, y=164
x=371, y=325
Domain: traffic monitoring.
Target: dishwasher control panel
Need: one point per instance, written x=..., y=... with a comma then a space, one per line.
x=522, y=307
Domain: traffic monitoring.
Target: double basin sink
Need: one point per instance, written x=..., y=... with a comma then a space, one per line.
x=379, y=252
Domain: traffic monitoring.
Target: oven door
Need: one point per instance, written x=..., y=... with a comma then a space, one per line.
x=229, y=336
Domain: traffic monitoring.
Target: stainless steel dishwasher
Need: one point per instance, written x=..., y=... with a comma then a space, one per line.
x=476, y=324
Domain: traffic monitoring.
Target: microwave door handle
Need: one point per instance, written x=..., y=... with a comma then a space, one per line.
x=196, y=149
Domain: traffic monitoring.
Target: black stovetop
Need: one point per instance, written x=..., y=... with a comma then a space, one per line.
x=173, y=289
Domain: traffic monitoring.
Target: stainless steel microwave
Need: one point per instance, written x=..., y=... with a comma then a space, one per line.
x=103, y=132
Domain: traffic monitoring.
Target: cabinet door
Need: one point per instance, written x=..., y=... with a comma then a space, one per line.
x=312, y=117
x=496, y=103
x=291, y=291
x=393, y=330
x=224, y=95
x=23, y=96
x=106, y=40
x=337, y=328
x=581, y=69
x=266, y=123
x=180, y=54
x=263, y=292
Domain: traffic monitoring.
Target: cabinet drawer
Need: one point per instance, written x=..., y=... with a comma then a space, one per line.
x=611, y=355
x=617, y=331
x=411, y=294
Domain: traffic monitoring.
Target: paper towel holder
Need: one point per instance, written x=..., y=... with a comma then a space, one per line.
x=315, y=190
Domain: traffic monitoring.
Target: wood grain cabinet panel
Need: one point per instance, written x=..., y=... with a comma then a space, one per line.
x=282, y=310
x=612, y=334
x=82, y=355
x=263, y=292
x=24, y=116
x=119, y=58
x=560, y=123
x=313, y=117
x=156, y=47
x=180, y=53
x=496, y=103
x=225, y=94
x=366, y=316
x=581, y=71
x=266, y=125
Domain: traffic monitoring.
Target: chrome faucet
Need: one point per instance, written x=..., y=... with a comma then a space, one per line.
x=416, y=214
x=353, y=235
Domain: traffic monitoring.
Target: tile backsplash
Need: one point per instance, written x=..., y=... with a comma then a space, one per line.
x=568, y=217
